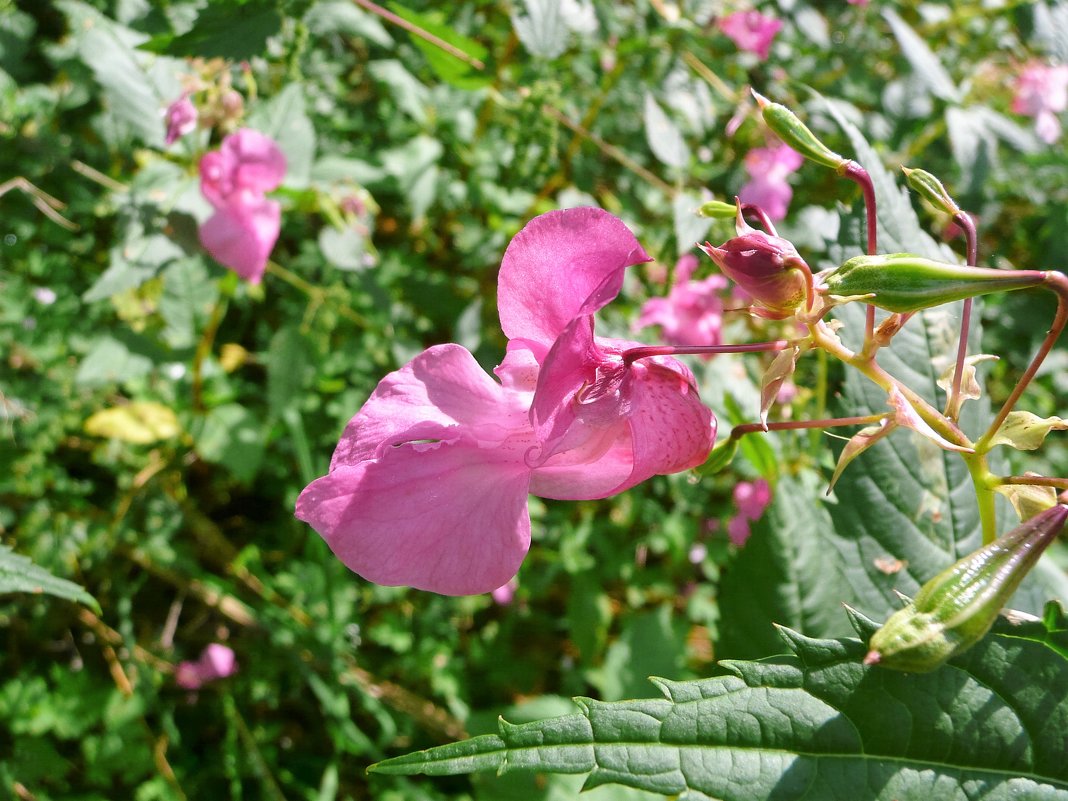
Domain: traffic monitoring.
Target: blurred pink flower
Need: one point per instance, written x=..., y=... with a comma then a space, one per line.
x=1042, y=93
x=428, y=485
x=215, y=662
x=234, y=179
x=692, y=312
x=768, y=168
x=751, y=31
x=181, y=118
x=857, y=2
x=504, y=594
x=751, y=498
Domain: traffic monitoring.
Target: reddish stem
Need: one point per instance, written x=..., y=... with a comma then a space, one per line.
x=967, y=224
x=854, y=172
x=761, y=215
x=790, y=425
x=1056, y=282
x=645, y=351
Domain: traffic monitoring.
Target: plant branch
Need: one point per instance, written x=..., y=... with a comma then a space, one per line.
x=423, y=34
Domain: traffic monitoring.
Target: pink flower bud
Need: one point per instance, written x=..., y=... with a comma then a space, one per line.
x=767, y=268
x=181, y=117
x=215, y=662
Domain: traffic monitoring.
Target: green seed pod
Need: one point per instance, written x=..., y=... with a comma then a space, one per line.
x=786, y=125
x=904, y=282
x=930, y=189
x=953, y=611
x=717, y=209
x=719, y=458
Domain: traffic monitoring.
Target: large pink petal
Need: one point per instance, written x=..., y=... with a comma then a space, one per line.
x=563, y=264
x=241, y=236
x=449, y=517
x=671, y=429
x=570, y=365
x=442, y=386
x=259, y=165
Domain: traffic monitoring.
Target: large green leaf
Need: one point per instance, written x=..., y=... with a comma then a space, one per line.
x=19, y=574
x=815, y=724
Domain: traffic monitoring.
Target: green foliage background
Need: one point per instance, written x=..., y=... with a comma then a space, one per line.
x=188, y=538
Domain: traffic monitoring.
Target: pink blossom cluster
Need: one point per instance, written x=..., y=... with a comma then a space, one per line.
x=1041, y=92
x=751, y=31
x=692, y=312
x=215, y=662
x=751, y=498
x=235, y=179
x=428, y=486
x=768, y=169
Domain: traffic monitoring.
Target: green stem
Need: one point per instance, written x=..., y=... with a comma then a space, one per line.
x=823, y=338
x=983, y=481
x=740, y=431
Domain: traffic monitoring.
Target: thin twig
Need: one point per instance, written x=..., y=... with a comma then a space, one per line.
x=94, y=174
x=415, y=30
x=44, y=202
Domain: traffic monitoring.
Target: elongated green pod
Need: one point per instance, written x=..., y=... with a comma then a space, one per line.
x=905, y=282
x=786, y=125
x=717, y=210
x=930, y=189
x=953, y=611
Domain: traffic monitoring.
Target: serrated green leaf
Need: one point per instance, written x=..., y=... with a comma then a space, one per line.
x=542, y=30
x=19, y=574
x=814, y=724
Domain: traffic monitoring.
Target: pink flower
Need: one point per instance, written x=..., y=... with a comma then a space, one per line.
x=768, y=168
x=857, y=2
x=215, y=662
x=692, y=312
x=1042, y=93
x=428, y=485
x=751, y=31
x=181, y=118
x=504, y=594
x=751, y=498
x=234, y=179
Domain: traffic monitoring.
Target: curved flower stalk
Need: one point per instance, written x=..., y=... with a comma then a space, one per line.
x=235, y=179
x=428, y=485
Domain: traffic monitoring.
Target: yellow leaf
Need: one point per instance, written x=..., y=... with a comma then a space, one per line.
x=140, y=423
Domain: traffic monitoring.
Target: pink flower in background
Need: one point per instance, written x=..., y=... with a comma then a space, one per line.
x=857, y=2
x=751, y=31
x=181, y=118
x=1042, y=93
x=751, y=498
x=428, y=485
x=215, y=662
x=692, y=312
x=768, y=168
x=234, y=179
x=505, y=594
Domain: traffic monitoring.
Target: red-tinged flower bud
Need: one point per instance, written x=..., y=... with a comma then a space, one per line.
x=766, y=267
